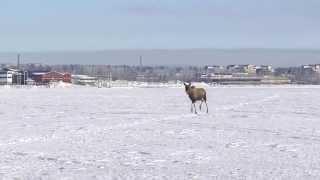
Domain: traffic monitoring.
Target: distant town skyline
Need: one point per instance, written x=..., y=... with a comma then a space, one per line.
x=40, y=26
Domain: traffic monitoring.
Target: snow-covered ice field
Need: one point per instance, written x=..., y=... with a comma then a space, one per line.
x=145, y=133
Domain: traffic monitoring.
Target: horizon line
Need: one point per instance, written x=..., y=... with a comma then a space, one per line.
x=156, y=49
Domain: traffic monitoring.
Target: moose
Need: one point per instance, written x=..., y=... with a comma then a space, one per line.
x=196, y=94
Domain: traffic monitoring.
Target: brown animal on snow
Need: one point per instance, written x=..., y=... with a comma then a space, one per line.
x=196, y=94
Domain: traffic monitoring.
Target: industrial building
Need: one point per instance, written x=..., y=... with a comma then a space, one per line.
x=84, y=80
x=10, y=76
x=47, y=77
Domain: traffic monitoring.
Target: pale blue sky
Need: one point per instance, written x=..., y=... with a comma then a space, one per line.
x=43, y=25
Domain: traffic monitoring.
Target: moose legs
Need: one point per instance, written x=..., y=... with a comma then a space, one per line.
x=193, y=107
x=206, y=105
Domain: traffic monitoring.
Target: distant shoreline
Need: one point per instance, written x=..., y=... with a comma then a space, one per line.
x=171, y=57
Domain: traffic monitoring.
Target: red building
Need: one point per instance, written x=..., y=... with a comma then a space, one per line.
x=46, y=77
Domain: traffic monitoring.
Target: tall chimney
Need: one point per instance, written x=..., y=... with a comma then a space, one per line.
x=18, y=61
x=140, y=61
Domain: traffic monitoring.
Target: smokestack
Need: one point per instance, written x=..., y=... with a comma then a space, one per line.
x=18, y=61
x=140, y=61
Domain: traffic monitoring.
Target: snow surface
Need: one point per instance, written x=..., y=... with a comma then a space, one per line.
x=149, y=133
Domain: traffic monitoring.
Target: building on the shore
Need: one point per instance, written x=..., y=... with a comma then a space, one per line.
x=84, y=80
x=250, y=69
x=236, y=78
x=244, y=74
x=10, y=76
x=215, y=69
x=308, y=74
x=120, y=83
x=313, y=68
x=241, y=79
x=47, y=77
x=264, y=70
x=147, y=78
x=247, y=68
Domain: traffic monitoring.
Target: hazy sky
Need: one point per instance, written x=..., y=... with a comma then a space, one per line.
x=53, y=25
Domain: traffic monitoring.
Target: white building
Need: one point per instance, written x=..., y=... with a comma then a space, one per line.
x=12, y=76
x=215, y=69
x=264, y=70
x=311, y=68
x=6, y=77
x=316, y=68
x=247, y=68
x=84, y=80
